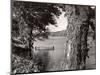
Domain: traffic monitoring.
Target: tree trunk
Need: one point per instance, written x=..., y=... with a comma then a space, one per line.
x=30, y=47
x=83, y=51
x=76, y=43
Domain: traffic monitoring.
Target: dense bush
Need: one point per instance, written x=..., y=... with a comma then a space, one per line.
x=21, y=65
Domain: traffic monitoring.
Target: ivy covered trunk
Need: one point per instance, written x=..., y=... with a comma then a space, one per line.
x=30, y=43
x=76, y=43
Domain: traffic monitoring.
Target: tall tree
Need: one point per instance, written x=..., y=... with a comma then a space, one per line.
x=79, y=20
x=29, y=21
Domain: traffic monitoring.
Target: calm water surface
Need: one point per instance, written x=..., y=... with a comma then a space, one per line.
x=55, y=56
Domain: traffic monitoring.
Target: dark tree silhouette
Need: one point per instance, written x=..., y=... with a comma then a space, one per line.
x=29, y=21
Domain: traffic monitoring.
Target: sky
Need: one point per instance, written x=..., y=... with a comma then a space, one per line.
x=61, y=23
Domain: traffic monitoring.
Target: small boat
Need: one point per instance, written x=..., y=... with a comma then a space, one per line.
x=44, y=48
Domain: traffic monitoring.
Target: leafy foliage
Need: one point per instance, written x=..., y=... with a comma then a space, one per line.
x=29, y=20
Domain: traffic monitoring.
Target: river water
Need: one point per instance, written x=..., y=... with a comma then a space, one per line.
x=54, y=58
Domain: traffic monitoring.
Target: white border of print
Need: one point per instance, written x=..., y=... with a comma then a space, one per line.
x=5, y=37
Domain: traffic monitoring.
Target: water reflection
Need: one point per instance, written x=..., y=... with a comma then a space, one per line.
x=42, y=58
x=51, y=60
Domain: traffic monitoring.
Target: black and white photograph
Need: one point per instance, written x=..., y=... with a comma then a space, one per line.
x=52, y=37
